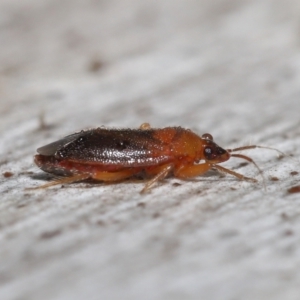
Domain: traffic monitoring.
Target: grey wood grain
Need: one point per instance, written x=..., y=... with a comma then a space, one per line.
x=230, y=68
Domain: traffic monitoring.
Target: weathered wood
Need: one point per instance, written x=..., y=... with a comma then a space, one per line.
x=230, y=68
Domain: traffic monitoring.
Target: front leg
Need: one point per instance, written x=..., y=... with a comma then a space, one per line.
x=238, y=175
x=188, y=171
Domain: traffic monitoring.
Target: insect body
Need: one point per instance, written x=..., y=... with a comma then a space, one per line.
x=116, y=154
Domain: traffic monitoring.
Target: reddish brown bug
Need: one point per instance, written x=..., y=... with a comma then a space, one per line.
x=115, y=154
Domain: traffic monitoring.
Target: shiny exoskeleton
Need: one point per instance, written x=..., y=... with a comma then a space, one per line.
x=115, y=154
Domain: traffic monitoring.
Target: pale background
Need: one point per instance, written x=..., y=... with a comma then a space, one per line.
x=231, y=68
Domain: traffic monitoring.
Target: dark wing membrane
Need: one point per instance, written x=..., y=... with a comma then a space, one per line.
x=124, y=147
x=51, y=149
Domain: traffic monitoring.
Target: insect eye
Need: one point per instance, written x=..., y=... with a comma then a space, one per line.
x=207, y=136
x=208, y=152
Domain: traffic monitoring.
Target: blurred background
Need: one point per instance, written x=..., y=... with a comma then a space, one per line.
x=227, y=67
x=168, y=62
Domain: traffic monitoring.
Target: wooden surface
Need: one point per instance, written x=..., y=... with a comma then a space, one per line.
x=231, y=68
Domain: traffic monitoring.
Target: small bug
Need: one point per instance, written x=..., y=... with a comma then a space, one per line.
x=111, y=155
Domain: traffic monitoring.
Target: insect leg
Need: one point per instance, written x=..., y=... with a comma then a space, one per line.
x=254, y=163
x=238, y=175
x=64, y=180
x=188, y=171
x=163, y=173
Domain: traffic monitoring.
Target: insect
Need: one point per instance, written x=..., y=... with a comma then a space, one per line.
x=111, y=155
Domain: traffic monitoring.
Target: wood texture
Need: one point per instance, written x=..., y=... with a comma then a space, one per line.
x=230, y=68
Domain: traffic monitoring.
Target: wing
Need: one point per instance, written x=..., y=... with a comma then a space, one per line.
x=123, y=147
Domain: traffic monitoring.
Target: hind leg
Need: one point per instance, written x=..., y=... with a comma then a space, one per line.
x=100, y=175
x=63, y=180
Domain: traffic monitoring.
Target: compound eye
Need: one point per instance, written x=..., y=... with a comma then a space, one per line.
x=208, y=152
x=207, y=136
